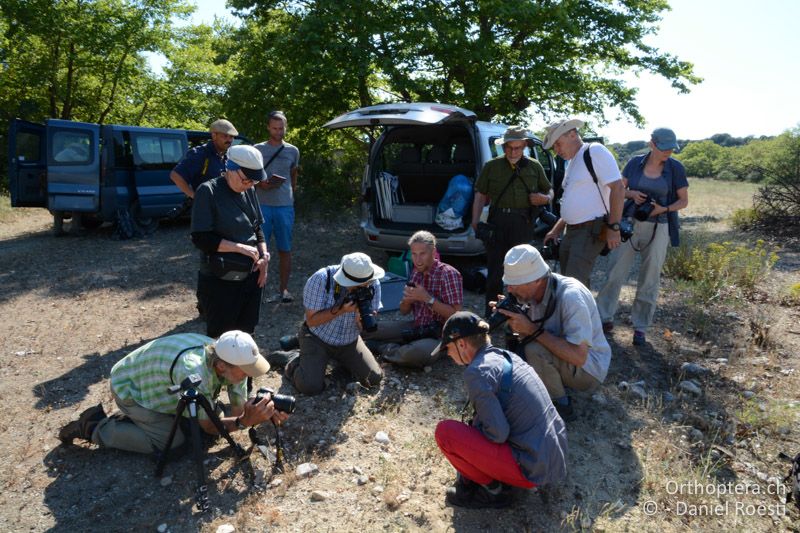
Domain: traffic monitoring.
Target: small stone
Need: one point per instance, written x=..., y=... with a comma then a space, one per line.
x=352, y=387
x=599, y=399
x=667, y=397
x=696, y=435
x=690, y=352
x=721, y=360
x=276, y=482
x=226, y=528
x=691, y=388
x=357, y=470
x=166, y=480
x=382, y=438
x=428, y=369
x=162, y=528
x=693, y=369
x=637, y=392
x=748, y=394
x=362, y=480
x=386, y=456
x=377, y=489
x=677, y=417
x=403, y=497
x=259, y=476
x=319, y=496
x=623, y=386
x=306, y=470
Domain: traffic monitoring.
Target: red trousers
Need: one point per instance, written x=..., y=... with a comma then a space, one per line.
x=476, y=457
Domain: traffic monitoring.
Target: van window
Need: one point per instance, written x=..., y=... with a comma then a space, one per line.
x=28, y=146
x=545, y=160
x=71, y=146
x=157, y=150
x=123, y=155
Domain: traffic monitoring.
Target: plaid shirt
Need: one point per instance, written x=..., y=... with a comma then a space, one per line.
x=343, y=329
x=443, y=282
x=144, y=374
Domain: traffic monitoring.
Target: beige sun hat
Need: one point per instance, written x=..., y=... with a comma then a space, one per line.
x=559, y=128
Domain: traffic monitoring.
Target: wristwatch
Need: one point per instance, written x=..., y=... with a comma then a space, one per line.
x=614, y=226
x=239, y=423
x=431, y=301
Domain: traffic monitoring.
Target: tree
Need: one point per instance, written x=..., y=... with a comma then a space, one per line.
x=80, y=59
x=700, y=158
x=779, y=199
x=500, y=59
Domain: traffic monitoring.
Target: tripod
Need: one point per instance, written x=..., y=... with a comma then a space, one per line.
x=191, y=397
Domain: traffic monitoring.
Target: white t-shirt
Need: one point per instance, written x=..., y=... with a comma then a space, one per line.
x=581, y=200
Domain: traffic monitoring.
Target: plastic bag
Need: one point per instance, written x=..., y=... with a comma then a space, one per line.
x=458, y=196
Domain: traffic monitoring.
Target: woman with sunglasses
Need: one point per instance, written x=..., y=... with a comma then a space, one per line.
x=226, y=228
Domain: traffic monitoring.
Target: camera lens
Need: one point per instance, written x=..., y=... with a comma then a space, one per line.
x=284, y=403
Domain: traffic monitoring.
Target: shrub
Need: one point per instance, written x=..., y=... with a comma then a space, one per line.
x=744, y=218
x=717, y=270
x=727, y=175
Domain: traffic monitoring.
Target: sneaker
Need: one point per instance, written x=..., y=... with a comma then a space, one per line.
x=608, y=327
x=280, y=358
x=566, y=412
x=286, y=297
x=638, y=338
x=83, y=427
x=474, y=496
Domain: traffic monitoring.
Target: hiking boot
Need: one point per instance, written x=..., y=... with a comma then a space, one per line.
x=280, y=358
x=608, y=327
x=83, y=427
x=286, y=297
x=475, y=496
x=566, y=411
x=638, y=338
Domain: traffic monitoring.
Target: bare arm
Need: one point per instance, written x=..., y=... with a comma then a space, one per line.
x=182, y=184
x=321, y=316
x=574, y=354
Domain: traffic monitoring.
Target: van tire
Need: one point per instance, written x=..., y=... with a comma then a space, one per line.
x=58, y=223
x=144, y=225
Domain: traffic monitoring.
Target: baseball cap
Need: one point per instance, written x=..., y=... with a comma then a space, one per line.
x=459, y=325
x=665, y=139
x=238, y=348
x=248, y=160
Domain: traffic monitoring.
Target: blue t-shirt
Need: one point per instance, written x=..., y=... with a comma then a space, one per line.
x=200, y=164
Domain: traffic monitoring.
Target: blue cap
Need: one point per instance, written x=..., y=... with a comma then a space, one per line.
x=665, y=139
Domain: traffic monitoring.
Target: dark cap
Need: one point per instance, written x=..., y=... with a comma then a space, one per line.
x=665, y=139
x=459, y=325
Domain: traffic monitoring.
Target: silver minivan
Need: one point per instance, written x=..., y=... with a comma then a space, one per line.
x=420, y=148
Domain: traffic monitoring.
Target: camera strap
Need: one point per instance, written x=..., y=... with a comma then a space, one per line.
x=175, y=361
x=514, y=175
x=652, y=237
x=587, y=160
x=549, y=310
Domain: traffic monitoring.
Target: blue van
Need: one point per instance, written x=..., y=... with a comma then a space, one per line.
x=94, y=173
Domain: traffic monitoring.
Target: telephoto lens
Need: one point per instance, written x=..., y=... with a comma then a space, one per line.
x=283, y=402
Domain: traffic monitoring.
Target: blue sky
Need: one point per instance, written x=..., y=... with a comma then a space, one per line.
x=745, y=51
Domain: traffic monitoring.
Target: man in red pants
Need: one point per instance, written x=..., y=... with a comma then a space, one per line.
x=516, y=437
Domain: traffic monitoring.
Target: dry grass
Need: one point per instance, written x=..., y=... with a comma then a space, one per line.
x=714, y=200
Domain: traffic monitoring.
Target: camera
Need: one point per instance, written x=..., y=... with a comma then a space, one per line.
x=428, y=331
x=509, y=303
x=362, y=296
x=283, y=402
x=644, y=209
x=549, y=250
x=625, y=229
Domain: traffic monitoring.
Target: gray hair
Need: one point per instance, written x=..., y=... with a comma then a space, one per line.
x=424, y=237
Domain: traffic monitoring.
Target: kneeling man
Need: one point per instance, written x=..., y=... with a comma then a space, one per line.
x=139, y=384
x=561, y=332
x=515, y=438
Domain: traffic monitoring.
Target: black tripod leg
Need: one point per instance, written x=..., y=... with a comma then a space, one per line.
x=163, y=460
x=201, y=498
x=212, y=415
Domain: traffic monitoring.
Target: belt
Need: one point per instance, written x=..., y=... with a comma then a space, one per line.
x=581, y=225
x=513, y=210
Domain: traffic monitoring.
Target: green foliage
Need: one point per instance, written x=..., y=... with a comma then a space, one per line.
x=744, y=218
x=793, y=294
x=779, y=199
x=715, y=271
x=495, y=58
x=700, y=158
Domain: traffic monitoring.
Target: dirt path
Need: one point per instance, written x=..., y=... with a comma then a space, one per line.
x=72, y=306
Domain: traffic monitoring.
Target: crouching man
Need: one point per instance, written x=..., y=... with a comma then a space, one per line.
x=332, y=328
x=515, y=438
x=139, y=384
x=561, y=332
x=433, y=293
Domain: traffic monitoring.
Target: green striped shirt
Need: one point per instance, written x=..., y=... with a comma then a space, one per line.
x=144, y=374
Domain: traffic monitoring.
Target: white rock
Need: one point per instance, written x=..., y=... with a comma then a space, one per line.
x=403, y=497
x=226, y=528
x=357, y=470
x=276, y=482
x=638, y=392
x=306, y=470
x=166, y=480
x=319, y=496
x=362, y=480
x=748, y=394
x=382, y=437
x=377, y=489
x=162, y=528
x=599, y=399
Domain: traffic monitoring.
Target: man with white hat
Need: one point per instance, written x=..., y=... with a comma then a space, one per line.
x=560, y=333
x=139, y=383
x=334, y=297
x=591, y=206
x=517, y=187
